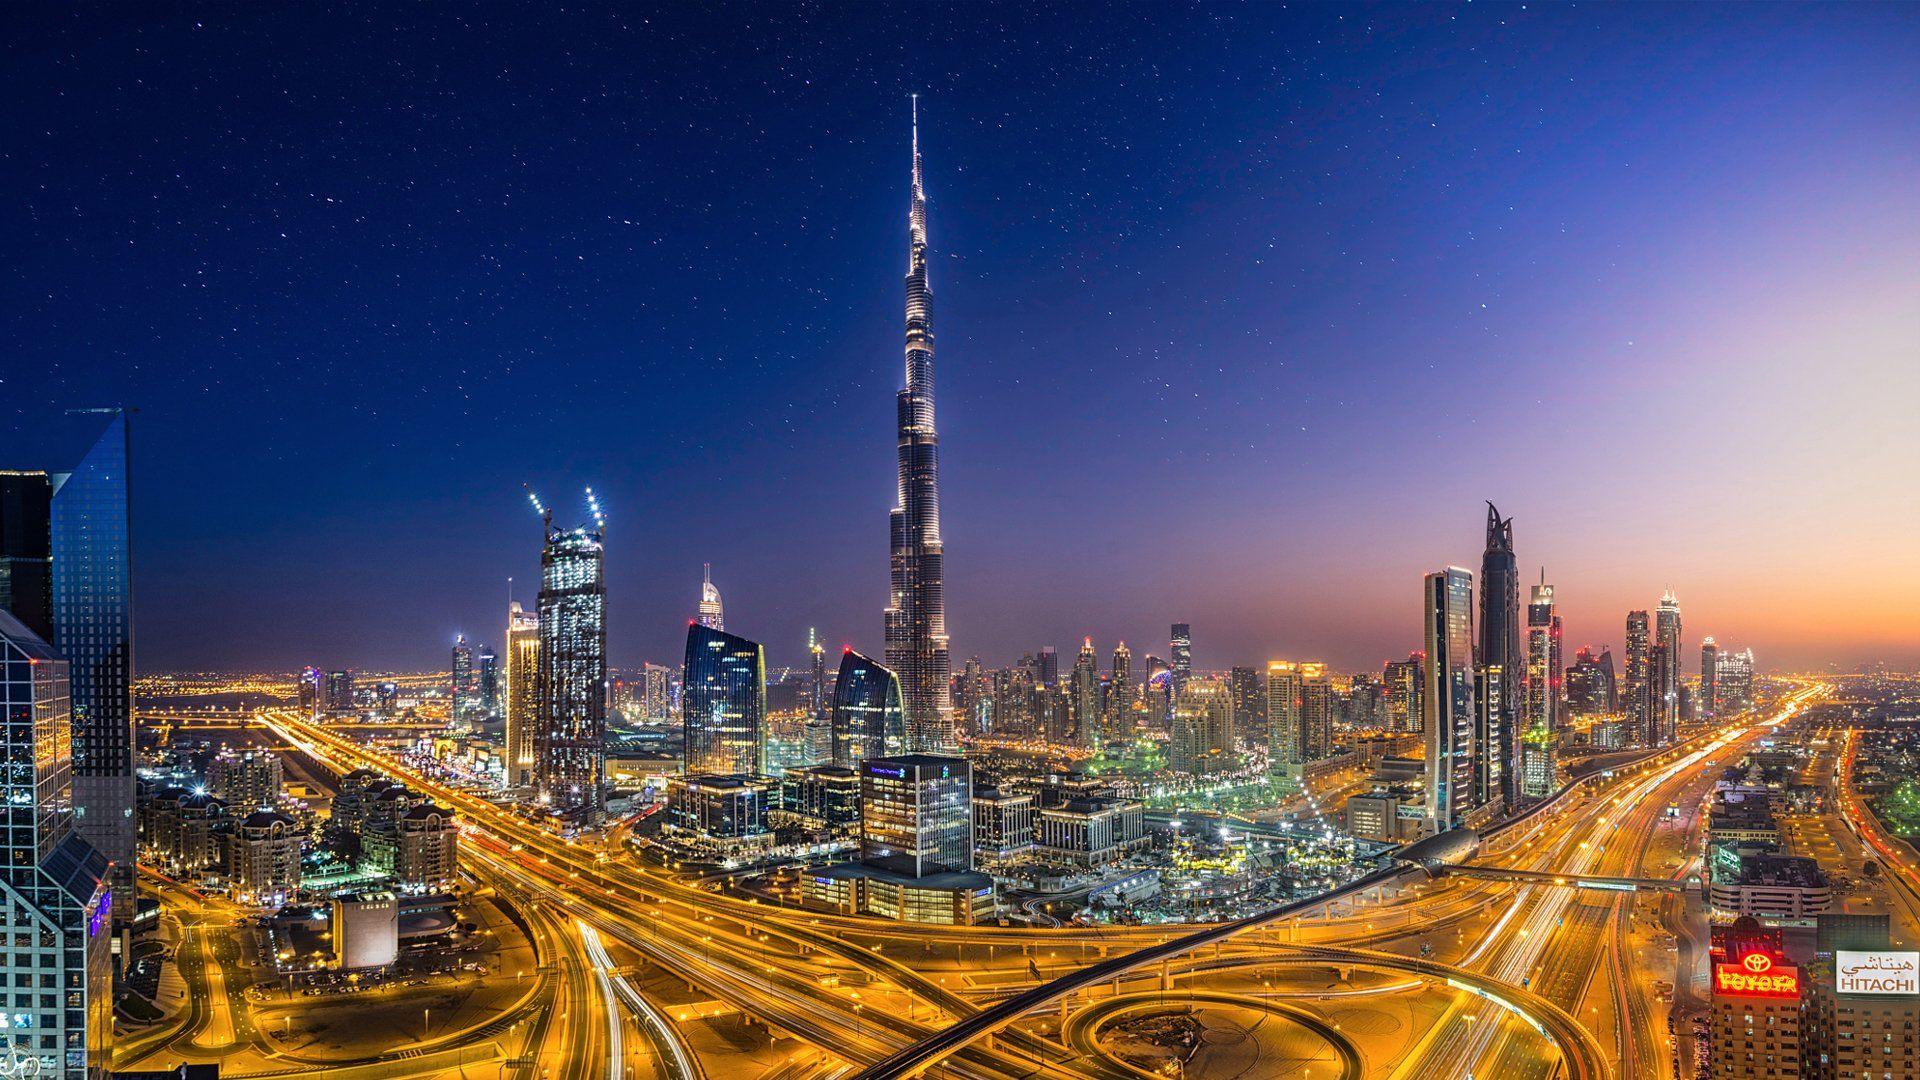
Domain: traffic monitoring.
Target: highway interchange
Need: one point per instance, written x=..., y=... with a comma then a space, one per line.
x=1453, y=976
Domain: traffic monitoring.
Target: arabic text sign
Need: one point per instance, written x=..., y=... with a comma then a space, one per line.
x=1876, y=972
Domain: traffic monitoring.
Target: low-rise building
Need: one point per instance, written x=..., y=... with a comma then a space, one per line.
x=823, y=797
x=1002, y=823
x=1092, y=831
x=720, y=816
x=1777, y=890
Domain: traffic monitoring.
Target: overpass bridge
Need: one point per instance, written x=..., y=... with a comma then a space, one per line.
x=1577, y=881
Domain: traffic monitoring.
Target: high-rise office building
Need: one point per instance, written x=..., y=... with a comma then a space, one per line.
x=1709, y=702
x=1317, y=706
x=1120, y=692
x=1285, y=752
x=723, y=703
x=1590, y=684
x=1049, y=665
x=523, y=680
x=869, y=712
x=1638, y=688
x=26, y=548
x=1666, y=673
x=53, y=884
x=916, y=815
x=916, y=617
x=710, y=612
x=1405, y=687
x=1498, y=727
x=1447, y=604
x=313, y=693
x=1181, y=650
x=93, y=629
x=1249, y=702
x=1540, y=715
x=1202, y=742
x=487, y=675
x=1084, y=687
x=461, y=681
x=570, y=710
x=1734, y=680
x=340, y=693
x=656, y=694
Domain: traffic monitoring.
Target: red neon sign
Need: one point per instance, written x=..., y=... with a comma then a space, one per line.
x=1755, y=976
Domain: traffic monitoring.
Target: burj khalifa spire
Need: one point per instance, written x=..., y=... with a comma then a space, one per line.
x=917, y=617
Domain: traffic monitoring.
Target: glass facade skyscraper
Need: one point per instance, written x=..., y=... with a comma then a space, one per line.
x=1447, y=603
x=723, y=703
x=570, y=729
x=869, y=719
x=54, y=891
x=916, y=617
x=1498, y=772
x=93, y=628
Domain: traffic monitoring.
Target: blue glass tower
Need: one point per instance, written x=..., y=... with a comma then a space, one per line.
x=93, y=629
x=869, y=720
x=723, y=703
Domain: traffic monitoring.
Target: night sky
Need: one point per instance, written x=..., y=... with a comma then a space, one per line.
x=1242, y=312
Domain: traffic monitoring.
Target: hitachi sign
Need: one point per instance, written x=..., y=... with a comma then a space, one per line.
x=1876, y=972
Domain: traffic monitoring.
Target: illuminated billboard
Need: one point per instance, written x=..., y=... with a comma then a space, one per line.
x=1876, y=972
x=1756, y=975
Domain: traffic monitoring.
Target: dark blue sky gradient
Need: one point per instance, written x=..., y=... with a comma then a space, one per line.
x=1241, y=312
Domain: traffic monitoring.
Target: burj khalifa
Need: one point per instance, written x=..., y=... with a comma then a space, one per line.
x=917, y=617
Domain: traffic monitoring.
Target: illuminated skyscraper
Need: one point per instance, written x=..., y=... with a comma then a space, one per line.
x=869, y=719
x=1536, y=764
x=313, y=693
x=1316, y=712
x=54, y=890
x=1181, y=650
x=710, y=612
x=1709, y=678
x=1498, y=726
x=1284, y=747
x=723, y=703
x=1638, y=696
x=1405, y=686
x=657, y=693
x=1734, y=680
x=93, y=629
x=570, y=729
x=1120, y=692
x=1202, y=742
x=1447, y=603
x=486, y=677
x=1249, y=702
x=1049, y=666
x=523, y=675
x=1590, y=684
x=916, y=617
x=1084, y=686
x=461, y=682
x=1666, y=676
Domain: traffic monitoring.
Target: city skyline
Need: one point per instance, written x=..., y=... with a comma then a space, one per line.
x=1101, y=321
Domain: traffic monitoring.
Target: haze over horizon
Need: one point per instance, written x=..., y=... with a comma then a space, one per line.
x=1242, y=315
